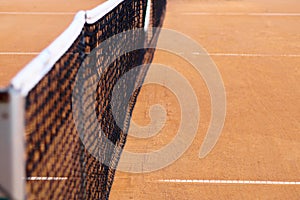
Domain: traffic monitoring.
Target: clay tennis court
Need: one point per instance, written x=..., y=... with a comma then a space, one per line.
x=256, y=47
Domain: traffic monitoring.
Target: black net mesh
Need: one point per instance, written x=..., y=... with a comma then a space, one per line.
x=54, y=149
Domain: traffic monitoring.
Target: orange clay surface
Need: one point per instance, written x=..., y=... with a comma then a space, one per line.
x=258, y=56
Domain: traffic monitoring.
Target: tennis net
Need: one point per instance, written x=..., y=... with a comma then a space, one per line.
x=59, y=164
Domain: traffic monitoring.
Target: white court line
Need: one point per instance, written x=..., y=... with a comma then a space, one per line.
x=194, y=53
x=244, y=54
x=248, y=54
x=34, y=178
x=242, y=14
x=37, y=13
x=19, y=53
x=184, y=13
x=241, y=182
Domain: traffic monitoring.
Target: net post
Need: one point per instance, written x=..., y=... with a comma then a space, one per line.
x=147, y=16
x=12, y=165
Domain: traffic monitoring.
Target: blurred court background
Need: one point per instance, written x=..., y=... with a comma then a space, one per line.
x=256, y=46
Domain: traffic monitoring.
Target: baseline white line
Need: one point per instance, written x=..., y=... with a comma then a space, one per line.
x=46, y=178
x=194, y=53
x=184, y=13
x=242, y=14
x=19, y=53
x=250, y=55
x=243, y=182
x=246, y=54
x=37, y=13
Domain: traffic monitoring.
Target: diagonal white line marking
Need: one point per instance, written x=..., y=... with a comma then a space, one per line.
x=37, y=178
x=241, y=182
